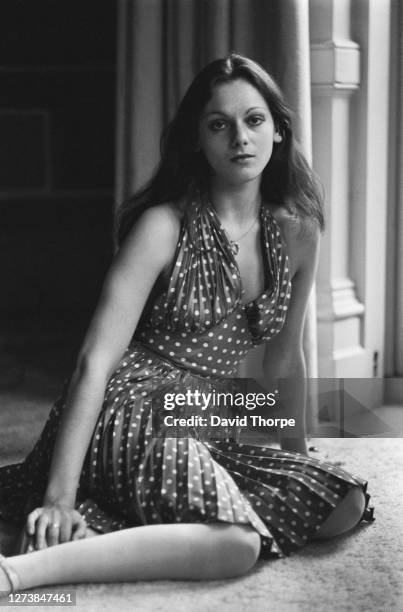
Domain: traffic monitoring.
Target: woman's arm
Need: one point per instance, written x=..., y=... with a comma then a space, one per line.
x=148, y=249
x=284, y=362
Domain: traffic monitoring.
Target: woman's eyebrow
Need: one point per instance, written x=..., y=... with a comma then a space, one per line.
x=221, y=112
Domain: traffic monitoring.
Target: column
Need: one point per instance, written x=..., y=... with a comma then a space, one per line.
x=349, y=64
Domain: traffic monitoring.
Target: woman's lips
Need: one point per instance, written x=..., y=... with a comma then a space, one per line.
x=242, y=158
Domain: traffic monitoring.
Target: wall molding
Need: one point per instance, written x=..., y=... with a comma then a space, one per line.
x=335, y=64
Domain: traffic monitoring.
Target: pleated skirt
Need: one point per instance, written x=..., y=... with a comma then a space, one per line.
x=132, y=477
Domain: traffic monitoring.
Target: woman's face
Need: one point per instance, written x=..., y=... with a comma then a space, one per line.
x=236, y=133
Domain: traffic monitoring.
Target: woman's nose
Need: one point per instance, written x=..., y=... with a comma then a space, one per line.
x=239, y=135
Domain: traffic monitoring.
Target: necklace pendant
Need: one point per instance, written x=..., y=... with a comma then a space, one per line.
x=234, y=247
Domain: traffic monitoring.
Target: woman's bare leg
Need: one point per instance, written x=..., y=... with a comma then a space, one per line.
x=171, y=551
x=345, y=516
x=194, y=551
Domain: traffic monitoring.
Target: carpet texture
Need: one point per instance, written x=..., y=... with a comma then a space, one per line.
x=361, y=571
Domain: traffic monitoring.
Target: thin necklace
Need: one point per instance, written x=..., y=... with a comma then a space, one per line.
x=234, y=244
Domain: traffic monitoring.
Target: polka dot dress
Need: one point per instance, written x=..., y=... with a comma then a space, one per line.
x=197, y=331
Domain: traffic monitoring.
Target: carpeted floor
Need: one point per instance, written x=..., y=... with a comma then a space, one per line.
x=362, y=571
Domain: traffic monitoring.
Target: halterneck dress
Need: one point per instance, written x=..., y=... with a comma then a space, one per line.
x=193, y=335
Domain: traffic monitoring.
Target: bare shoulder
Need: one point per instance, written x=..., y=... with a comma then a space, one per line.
x=157, y=228
x=164, y=218
x=301, y=236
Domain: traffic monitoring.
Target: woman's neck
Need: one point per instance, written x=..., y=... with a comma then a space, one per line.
x=237, y=204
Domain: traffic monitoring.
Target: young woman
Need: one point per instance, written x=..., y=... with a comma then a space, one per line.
x=217, y=254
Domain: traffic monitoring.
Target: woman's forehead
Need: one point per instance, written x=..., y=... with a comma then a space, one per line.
x=231, y=96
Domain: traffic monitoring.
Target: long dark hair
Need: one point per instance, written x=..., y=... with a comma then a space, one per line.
x=287, y=180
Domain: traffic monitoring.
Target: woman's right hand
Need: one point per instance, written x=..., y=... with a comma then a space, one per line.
x=54, y=524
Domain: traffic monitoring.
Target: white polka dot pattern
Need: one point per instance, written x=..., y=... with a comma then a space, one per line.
x=205, y=293
x=196, y=332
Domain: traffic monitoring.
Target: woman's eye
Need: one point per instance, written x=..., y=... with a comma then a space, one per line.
x=218, y=124
x=255, y=120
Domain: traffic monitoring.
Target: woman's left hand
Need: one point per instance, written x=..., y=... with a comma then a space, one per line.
x=55, y=524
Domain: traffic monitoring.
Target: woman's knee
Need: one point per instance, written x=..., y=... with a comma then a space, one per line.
x=345, y=516
x=247, y=549
x=357, y=502
x=235, y=551
x=352, y=507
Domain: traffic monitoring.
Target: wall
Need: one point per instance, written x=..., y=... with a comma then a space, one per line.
x=57, y=107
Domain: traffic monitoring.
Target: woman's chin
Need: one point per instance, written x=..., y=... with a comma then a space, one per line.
x=237, y=179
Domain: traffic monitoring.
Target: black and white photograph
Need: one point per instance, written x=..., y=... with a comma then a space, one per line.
x=201, y=332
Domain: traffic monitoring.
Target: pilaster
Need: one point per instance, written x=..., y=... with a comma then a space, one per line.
x=344, y=35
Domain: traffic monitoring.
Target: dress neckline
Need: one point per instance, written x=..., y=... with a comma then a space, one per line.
x=264, y=216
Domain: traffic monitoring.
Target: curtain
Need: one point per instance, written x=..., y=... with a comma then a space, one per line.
x=161, y=46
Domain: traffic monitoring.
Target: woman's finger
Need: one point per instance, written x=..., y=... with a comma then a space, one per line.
x=53, y=531
x=31, y=520
x=65, y=529
x=40, y=532
x=79, y=530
